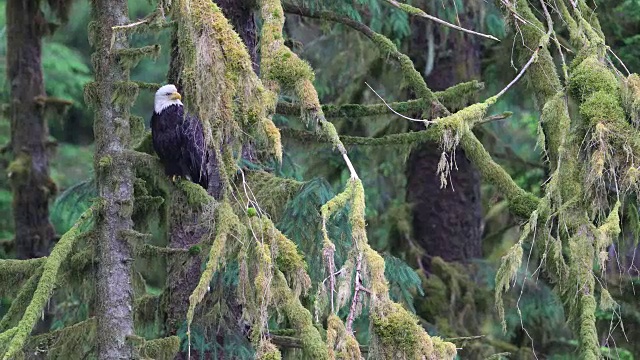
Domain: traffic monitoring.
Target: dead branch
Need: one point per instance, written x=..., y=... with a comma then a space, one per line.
x=419, y=12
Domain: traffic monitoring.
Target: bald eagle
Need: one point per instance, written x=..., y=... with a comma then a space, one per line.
x=178, y=138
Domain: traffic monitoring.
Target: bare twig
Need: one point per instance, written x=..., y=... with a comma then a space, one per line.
x=492, y=118
x=395, y=112
x=328, y=255
x=418, y=12
x=521, y=73
x=128, y=26
x=619, y=60
x=354, y=302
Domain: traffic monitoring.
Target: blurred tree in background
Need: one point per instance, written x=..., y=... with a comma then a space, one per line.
x=446, y=251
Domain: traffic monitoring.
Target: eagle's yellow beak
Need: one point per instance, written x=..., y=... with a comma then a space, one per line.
x=175, y=96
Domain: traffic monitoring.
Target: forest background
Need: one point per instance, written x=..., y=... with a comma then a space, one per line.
x=442, y=246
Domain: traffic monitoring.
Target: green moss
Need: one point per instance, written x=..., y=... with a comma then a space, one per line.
x=338, y=202
x=556, y=122
x=285, y=68
x=520, y=202
x=196, y=195
x=46, y=285
x=443, y=349
x=300, y=318
x=105, y=162
x=71, y=342
x=601, y=107
x=631, y=97
x=522, y=205
x=272, y=191
x=268, y=351
x=588, y=336
x=19, y=169
x=591, y=76
x=195, y=250
x=226, y=222
x=130, y=57
x=507, y=271
x=161, y=349
x=251, y=212
x=137, y=128
x=124, y=94
x=410, y=9
x=396, y=330
x=91, y=94
x=19, y=304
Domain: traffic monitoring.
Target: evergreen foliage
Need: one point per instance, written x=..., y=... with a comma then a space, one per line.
x=281, y=256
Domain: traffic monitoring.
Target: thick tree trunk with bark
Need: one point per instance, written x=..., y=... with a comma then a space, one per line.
x=184, y=228
x=114, y=176
x=29, y=172
x=446, y=222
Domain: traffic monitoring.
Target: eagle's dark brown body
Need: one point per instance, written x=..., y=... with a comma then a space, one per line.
x=179, y=142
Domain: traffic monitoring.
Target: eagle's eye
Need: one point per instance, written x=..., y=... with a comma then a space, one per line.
x=168, y=94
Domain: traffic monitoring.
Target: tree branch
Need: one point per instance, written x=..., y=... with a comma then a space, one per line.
x=419, y=12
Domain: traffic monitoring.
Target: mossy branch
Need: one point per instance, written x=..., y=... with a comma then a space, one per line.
x=411, y=10
x=130, y=57
x=12, y=271
x=46, y=284
x=19, y=304
x=386, y=48
x=284, y=69
x=300, y=318
x=452, y=98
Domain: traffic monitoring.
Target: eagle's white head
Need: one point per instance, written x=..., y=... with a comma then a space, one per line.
x=166, y=96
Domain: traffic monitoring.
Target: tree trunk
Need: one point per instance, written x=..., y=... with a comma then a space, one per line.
x=29, y=172
x=114, y=176
x=446, y=222
x=241, y=15
x=184, y=228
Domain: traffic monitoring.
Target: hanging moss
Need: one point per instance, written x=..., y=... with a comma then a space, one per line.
x=273, y=135
x=631, y=97
x=268, y=351
x=76, y=341
x=300, y=318
x=18, y=305
x=272, y=191
x=161, y=349
x=508, y=269
x=46, y=285
x=226, y=221
x=124, y=94
x=129, y=58
x=13, y=272
x=284, y=67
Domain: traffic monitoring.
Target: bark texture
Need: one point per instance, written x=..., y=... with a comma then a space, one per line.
x=185, y=230
x=114, y=176
x=446, y=222
x=29, y=172
x=241, y=15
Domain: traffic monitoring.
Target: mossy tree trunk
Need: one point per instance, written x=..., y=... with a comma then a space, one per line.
x=241, y=15
x=446, y=222
x=29, y=172
x=185, y=228
x=114, y=175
